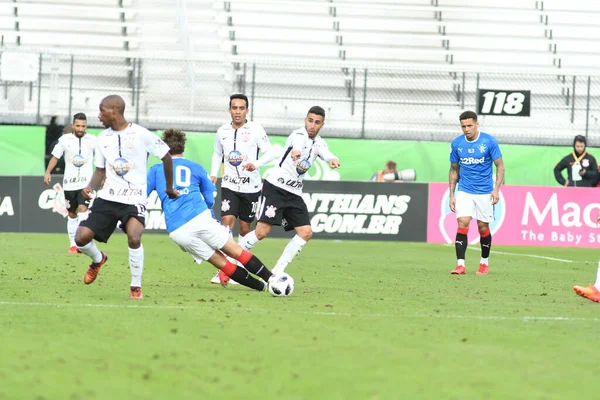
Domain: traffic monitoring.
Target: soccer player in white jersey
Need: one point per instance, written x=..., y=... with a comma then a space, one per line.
x=78, y=150
x=238, y=145
x=281, y=200
x=121, y=157
x=190, y=221
x=471, y=157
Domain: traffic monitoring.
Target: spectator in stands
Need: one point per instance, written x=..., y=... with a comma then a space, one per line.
x=53, y=133
x=582, y=167
x=390, y=174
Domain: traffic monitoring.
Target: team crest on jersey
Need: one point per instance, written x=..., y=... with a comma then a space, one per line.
x=245, y=136
x=585, y=163
x=78, y=160
x=225, y=205
x=122, y=166
x=482, y=148
x=270, y=211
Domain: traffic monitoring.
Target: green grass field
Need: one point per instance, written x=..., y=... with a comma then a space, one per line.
x=368, y=320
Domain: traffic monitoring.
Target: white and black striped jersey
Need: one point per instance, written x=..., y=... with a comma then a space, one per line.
x=237, y=147
x=289, y=174
x=79, y=157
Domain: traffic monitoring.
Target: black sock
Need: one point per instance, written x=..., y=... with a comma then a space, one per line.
x=461, y=246
x=241, y=276
x=486, y=245
x=256, y=267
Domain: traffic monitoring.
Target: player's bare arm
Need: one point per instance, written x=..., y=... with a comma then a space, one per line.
x=168, y=167
x=499, y=179
x=95, y=183
x=51, y=164
x=295, y=154
x=335, y=163
x=453, y=180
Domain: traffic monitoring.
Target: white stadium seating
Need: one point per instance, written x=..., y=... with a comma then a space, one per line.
x=290, y=54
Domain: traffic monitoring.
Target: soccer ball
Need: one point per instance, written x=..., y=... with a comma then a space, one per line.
x=281, y=284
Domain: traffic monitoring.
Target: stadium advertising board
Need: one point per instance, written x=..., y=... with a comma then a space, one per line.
x=525, y=216
x=366, y=210
x=10, y=204
x=338, y=210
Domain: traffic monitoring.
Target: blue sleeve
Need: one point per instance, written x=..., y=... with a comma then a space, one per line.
x=495, y=152
x=453, y=154
x=151, y=184
x=206, y=187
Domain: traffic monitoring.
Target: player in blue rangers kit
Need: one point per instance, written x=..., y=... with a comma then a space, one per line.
x=471, y=158
x=190, y=221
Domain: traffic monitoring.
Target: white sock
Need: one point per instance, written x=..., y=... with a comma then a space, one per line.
x=250, y=241
x=292, y=249
x=461, y=262
x=240, y=240
x=136, y=265
x=72, y=224
x=597, y=284
x=483, y=261
x=91, y=251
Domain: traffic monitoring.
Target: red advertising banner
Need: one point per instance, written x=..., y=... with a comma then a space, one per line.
x=526, y=216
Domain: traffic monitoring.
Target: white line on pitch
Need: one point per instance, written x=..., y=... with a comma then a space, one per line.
x=525, y=318
x=523, y=255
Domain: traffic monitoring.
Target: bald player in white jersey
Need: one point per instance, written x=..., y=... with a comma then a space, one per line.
x=121, y=162
x=281, y=200
x=238, y=145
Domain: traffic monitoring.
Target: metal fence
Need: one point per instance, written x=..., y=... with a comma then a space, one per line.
x=362, y=101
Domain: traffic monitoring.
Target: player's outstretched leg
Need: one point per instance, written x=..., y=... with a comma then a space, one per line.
x=293, y=248
x=486, y=245
x=232, y=271
x=460, y=244
x=591, y=292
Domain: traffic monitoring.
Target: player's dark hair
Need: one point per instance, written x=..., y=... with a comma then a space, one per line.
x=391, y=165
x=317, y=111
x=238, y=96
x=581, y=139
x=467, y=115
x=79, y=116
x=175, y=139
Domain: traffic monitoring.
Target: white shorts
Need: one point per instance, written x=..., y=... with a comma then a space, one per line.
x=477, y=206
x=201, y=236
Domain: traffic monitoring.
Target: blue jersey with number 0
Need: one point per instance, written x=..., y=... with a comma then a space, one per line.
x=475, y=160
x=195, y=188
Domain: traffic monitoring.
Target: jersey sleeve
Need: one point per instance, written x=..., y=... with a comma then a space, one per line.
x=297, y=140
x=154, y=144
x=325, y=153
x=99, y=159
x=59, y=149
x=495, y=152
x=217, y=156
x=206, y=186
x=453, y=153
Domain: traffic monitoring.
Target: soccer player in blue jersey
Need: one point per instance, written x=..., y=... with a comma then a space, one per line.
x=471, y=157
x=190, y=221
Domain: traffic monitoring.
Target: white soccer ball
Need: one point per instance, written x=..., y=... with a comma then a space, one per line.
x=281, y=284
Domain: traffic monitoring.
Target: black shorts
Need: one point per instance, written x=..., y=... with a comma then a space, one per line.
x=74, y=199
x=280, y=207
x=104, y=216
x=240, y=205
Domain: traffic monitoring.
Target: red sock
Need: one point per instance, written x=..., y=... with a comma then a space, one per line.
x=463, y=231
x=485, y=234
x=244, y=257
x=229, y=269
